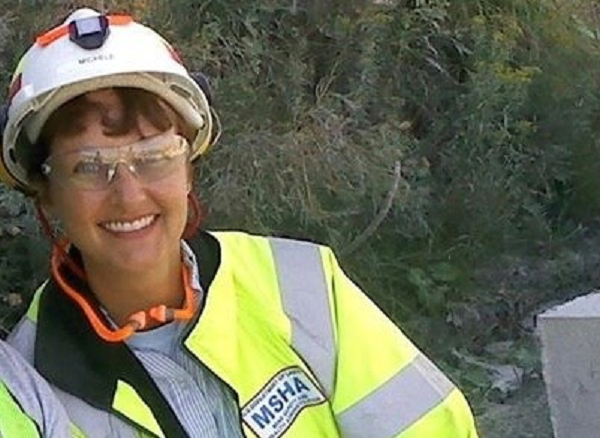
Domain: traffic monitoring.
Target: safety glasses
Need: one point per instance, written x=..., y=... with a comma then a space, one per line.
x=92, y=168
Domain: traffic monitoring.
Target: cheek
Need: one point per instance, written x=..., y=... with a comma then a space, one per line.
x=182, y=197
x=71, y=207
x=173, y=193
x=174, y=207
x=60, y=202
x=177, y=182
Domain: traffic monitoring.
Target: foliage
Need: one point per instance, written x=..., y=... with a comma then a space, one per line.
x=419, y=139
x=24, y=257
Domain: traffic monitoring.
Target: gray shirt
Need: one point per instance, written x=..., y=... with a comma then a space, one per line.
x=33, y=394
x=203, y=403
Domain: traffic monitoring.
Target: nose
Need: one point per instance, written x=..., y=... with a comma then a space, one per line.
x=125, y=183
x=114, y=167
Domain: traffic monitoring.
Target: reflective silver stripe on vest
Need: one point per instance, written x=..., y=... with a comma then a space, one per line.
x=382, y=414
x=91, y=421
x=305, y=300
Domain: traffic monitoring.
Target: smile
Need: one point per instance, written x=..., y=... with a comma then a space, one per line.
x=127, y=227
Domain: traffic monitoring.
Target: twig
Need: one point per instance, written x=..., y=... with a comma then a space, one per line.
x=372, y=227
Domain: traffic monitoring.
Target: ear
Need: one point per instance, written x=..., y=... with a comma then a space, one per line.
x=48, y=221
x=46, y=208
x=44, y=200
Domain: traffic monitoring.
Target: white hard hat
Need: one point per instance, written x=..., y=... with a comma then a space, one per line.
x=87, y=52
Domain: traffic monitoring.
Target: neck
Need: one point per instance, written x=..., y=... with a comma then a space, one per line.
x=123, y=293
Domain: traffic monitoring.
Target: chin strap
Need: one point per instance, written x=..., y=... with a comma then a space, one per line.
x=136, y=321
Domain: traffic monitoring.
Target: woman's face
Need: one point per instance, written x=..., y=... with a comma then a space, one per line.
x=132, y=224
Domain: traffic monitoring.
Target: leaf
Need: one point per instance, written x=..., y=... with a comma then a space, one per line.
x=445, y=272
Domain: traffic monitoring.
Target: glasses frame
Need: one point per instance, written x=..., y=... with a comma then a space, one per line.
x=167, y=145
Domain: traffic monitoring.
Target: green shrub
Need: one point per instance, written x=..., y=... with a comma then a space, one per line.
x=419, y=139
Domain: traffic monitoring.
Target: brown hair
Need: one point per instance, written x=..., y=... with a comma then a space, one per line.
x=69, y=119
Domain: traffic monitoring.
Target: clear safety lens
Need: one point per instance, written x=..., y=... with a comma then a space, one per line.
x=91, y=168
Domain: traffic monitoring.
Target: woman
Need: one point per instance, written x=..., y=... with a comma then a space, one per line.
x=28, y=408
x=150, y=326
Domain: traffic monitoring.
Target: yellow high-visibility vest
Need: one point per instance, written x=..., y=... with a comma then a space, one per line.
x=14, y=423
x=307, y=353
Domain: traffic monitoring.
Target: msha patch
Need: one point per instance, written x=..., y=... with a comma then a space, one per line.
x=271, y=412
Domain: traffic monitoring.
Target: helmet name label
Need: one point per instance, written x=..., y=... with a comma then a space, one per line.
x=94, y=58
x=271, y=412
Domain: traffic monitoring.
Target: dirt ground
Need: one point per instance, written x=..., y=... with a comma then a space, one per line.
x=543, y=281
x=525, y=415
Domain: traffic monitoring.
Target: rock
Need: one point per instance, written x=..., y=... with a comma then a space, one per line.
x=13, y=231
x=505, y=379
x=14, y=299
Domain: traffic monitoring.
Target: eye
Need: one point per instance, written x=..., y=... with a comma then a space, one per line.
x=150, y=159
x=89, y=167
x=156, y=158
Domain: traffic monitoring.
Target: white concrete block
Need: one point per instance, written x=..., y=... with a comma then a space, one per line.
x=570, y=337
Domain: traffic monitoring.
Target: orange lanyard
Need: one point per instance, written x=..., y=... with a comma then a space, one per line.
x=136, y=321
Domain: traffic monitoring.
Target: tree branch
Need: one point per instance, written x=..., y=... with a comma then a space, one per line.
x=387, y=205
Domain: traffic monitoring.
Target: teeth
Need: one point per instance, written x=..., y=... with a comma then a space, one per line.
x=126, y=227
